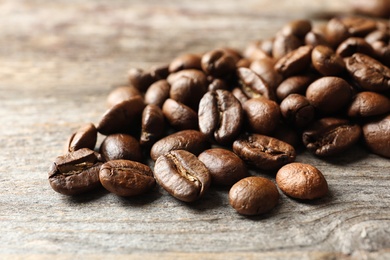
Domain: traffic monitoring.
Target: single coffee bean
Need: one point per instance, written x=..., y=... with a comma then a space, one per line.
x=235, y=53
x=353, y=45
x=220, y=116
x=255, y=51
x=297, y=110
x=265, y=68
x=121, y=94
x=216, y=83
x=152, y=125
x=120, y=146
x=263, y=152
x=218, y=63
x=84, y=137
x=159, y=72
x=329, y=94
x=295, y=61
x=253, y=85
x=314, y=38
x=157, y=93
x=376, y=135
x=189, y=140
x=121, y=117
x=382, y=52
x=225, y=167
x=298, y=28
x=253, y=196
x=180, y=116
x=378, y=35
x=140, y=79
x=326, y=61
x=185, y=61
x=330, y=136
x=295, y=84
x=368, y=103
x=182, y=175
x=261, y=115
x=302, y=181
x=369, y=73
x=284, y=44
x=126, y=178
x=76, y=172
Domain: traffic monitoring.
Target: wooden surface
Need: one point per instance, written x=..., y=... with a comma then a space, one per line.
x=58, y=61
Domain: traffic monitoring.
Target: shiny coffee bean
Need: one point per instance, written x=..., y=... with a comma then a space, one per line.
x=179, y=116
x=382, y=52
x=255, y=51
x=302, y=181
x=84, y=137
x=76, y=172
x=314, y=38
x=368, y=103
x=240, y=95
x=185, y=61
x=294, y=85
x=216, y=83
x=263, y=152
x=297, y=110
x=253, y=85
x=140, y=79
x=295, y=61
x=284, y=44
x=298, y=28
x=253, y=196
x=159, y=72
x=326, y=61
x=218, y=63
x=182, y=175
x=353, y=45
x=265, y=68
x=220, y=116
x=152, y=125
x=376, y=135
x=157, y=93
x=330, y=136
x=120, y=146
x=225, y=167
x=121, y=94
x=126, y=178
x=378, y=35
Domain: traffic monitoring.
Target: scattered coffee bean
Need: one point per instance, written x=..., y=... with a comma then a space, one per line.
x=84, y=137
x=376, y=135
x=326, y=61
x=297, y=110
x=120, y=146
x=185, y=61
x=121, y=94
x=152, y=125
x=157, y=93
x=294, y=62
x=368, y=103
x=180, y=116
x=253, y=85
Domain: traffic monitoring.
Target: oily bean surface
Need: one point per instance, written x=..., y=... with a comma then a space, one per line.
x=121, y=146
x=152, y=125
x=376, y=135
x=84, y=137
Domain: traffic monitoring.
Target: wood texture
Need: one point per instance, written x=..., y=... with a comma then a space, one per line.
x=58, y=61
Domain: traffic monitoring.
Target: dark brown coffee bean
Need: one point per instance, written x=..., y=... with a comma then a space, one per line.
x=302, y=181
x=261, y=115
x=152, y=125
x=382, y=52
x=182, y=175
x=297, y=110
x=76, y=172
x=159, y=72
x=157, y=93
x=217, y=84
x=326, y=61
x=120, y=146
x=353, y=45
x=294, y=85
x=253, y=196
x=121, y=94
x=255, y=51
x=140, y=79
x=265, y=68
x=218, y=63
x=263, y=152
x=378, y=35
x=84, y=137
x=377, y=8
x=185, y=61
x=369, y=73
x=368, y=103
x=330, y=136
x=180, y=116
x=298, y=28
x=240, y=95
x=189, y=140
x=225, y=167
x=253, y=85
x=295, y=61
x=329, y=94
x=188, y=87
x=121, y=117
x=220, y=116
x=284, y=44
x=314, y=38
x=376, y=135
x=126, y=178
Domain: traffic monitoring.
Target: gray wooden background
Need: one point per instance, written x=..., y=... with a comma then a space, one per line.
x=59, y=60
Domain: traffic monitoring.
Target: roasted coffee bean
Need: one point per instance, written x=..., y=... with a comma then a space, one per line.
x=378, y=35
x=294, y=85
x=188, y=87
x=368, y=103
x=240, y=95
x=329, y=94
x=159, y=72
x=152, y=125
x=315, y=38
x=265, y=68
x=157, y=93
x=376, y=135
x=297, y=110
x=121, y=117
x=244, y=62
x=225, y=167
x=182, y=175
x=382, y=52
x=180, y=116
x=218, y=63
x=353, y=45
x=126, y=178
x=220, y=116
x=253, y=196
x=121, y=94
x=294, y=62
x=185, y=61
x=377, y=8
x=263, y=152
x=84, y=137
x=189, y=140
x=261, y=115
x=330, y=136
x=217, y=84
x=76, y=172
x=235, y=53
x=284, y=44
x=253, y=85
x=298, y=28
x=255, y=51
x=141, y=79
x=369, y=73
x=302, y=181
x=120, y=146
x=326, y=61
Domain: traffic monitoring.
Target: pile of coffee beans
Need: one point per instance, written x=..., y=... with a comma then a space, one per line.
x=206, y=119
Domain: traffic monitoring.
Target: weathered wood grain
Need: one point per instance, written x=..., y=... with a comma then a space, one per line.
x=58, y=61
